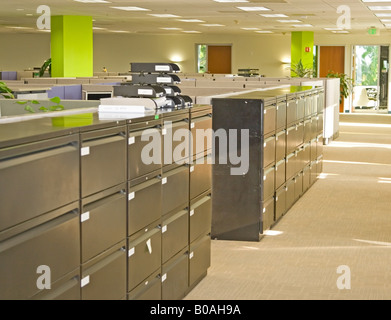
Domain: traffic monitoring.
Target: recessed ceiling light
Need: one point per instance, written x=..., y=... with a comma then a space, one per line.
x=340, y=31
x=29, y=14
x=20, y=28
x=130, y=8
x=253, y=8
x=333, y=29
x=250, y=29
x=191, y=31
x=379, y=8
x=92, y=1
x=164, y=15
x=171, y=28
x=382, y=15
x=302, y=25
x=212, y=25
x=264, y=31
x=191, y=20
x=230, y=0
x=289, y=21
x=19, y=9
x=277, y=15
x=98, y=28
x=119, y=31
x=375, y=0
x=385, y=20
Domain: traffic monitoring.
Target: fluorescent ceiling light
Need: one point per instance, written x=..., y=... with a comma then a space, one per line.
x=119, y=31
x=253, y=8
x=29, y=14
x=171, y=28
x=130, y=8
x=212, y=25
x=264, y=31
x=230, y=0
x=381, y=15
x=164, y=15
x=21, y=28
x=98, y=28
x=302, y=25
x=385, y=20
x=250, y=29
x=290, y=21
x=333, y=29
x=191, y=20
x=379, y=8
x=344, y=31
x=375, y=0
x=278, y=15
x=92, y=1
x=191, y=31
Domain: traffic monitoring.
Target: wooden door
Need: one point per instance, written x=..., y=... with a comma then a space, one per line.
x=332, y=58
x=219, y=59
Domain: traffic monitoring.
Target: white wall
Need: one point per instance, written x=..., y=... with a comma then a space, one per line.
x=117, y=51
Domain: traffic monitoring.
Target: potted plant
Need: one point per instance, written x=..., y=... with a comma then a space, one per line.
x=346, y=84
x=300, y=71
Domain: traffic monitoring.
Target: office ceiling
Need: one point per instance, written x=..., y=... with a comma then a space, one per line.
x=217, y=17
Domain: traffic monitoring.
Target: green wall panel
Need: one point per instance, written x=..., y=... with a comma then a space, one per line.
x=300, y=41
x=72, y=46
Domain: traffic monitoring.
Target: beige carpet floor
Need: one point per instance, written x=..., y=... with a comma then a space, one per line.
x=343, y=220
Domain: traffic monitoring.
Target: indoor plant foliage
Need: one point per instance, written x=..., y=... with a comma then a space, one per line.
x=56, y=107
x=300, y=71
x=5, y=91
x=346, y=84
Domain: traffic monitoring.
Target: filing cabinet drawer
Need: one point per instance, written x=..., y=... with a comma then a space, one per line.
x=315, y=98
x=175, y=233
x=199, y=259
x=150, y=289
x=281, y=115
x=269, y=119
x=291, y=142
x=67, y=288
x=176, y=137
x=200, y=216
x=298, y=186
x=313, y=149
x=300, y=108
x=319, y=123
x=291, y=112
x=308, y=105
x=319, y=165
x=306, y=178
x=280, y=173
x=103, y=160
x=201, y=133
x=103, y=221
x=313, y=172
x=269, y=181
x=37, y=190
x=269, y=150
x=175, y=188
x=144, y=255
x=268, y=214
x=307, y=130
x=144, y=204
x=306, y=154
x=200, y=176
x=299, y=134
x=290, y=194
x=319, y=146
x=140, y=136
x=280, y=145
x=320, y=101
x=290, y=166
x=314, y=127
x=280, y=199
x=104, y=277
x=52, y=241
x=299, y=160
x=175, y=275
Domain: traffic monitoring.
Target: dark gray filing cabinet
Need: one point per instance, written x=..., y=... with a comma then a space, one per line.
x=51, y=240
x=279, y=151
x=144, y=201
x=201, y=126
x=150, y=289
x=175, y=276
x=104, y=277
x=103, y=159
x=200, y=216
x=40, y=186
x=141, y=132
x=144, y=254
x=102, y=221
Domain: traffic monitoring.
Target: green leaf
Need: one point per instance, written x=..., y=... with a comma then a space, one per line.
x=60, y=107
x=21, y=102
x=55, y=100
x=29, y=109
x=44, y=109
x=35, y=102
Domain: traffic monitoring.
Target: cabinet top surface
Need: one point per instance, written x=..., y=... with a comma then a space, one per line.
x=16, y=133
x=272, y=93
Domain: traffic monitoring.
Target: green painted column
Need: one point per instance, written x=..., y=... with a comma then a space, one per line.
x=302, y=46
x=72, y=46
